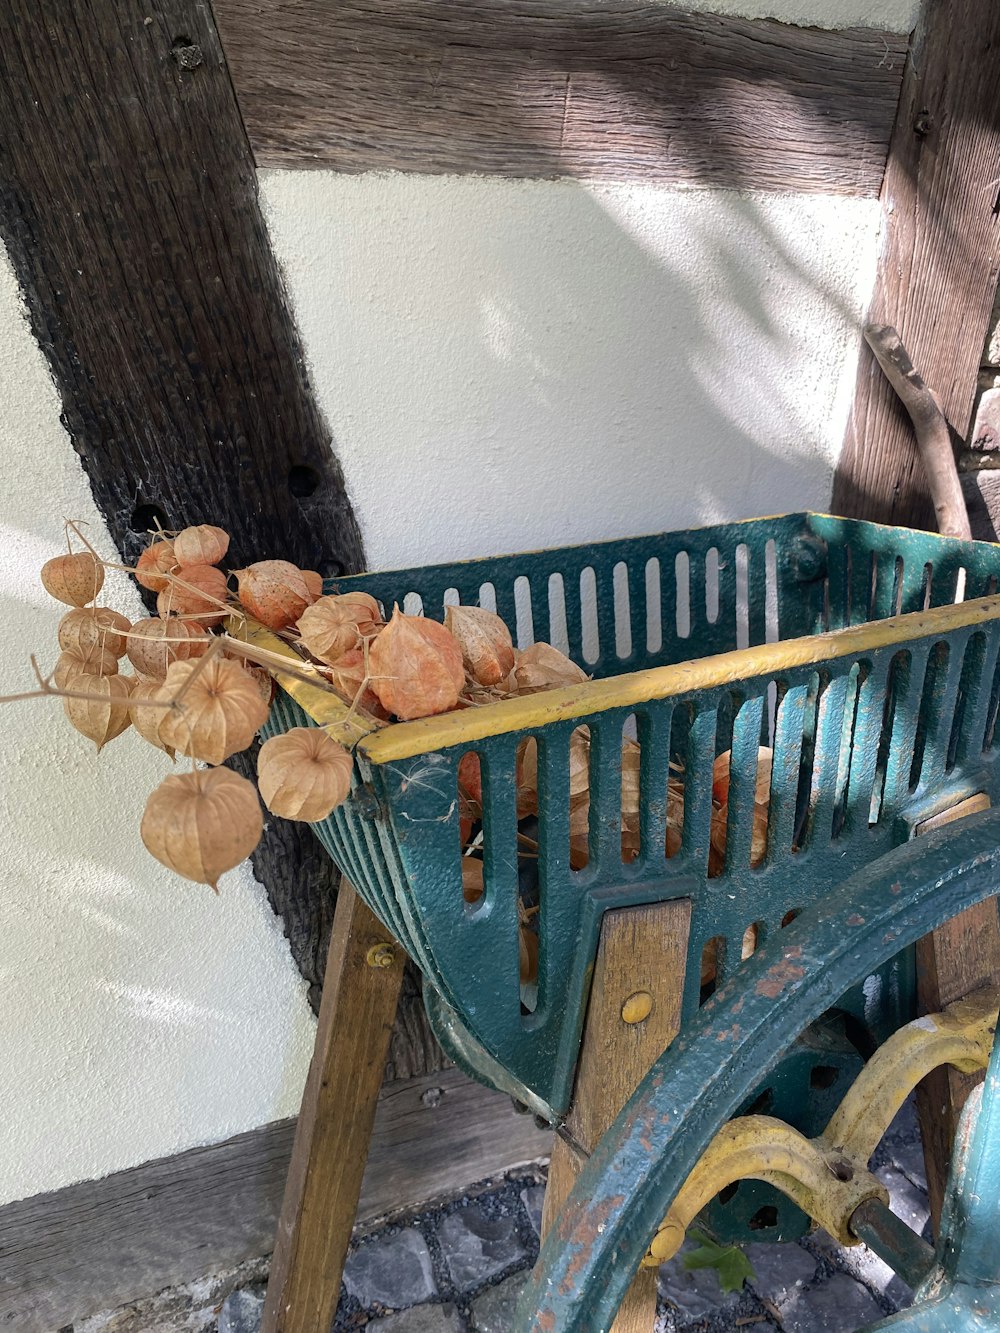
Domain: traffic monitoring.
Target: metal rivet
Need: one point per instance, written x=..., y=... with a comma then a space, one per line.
x=380, y=955
x=637, y=1007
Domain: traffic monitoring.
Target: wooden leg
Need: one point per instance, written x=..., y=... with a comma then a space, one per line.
x=364, y=972
x=633, y=1014
x=958, y=958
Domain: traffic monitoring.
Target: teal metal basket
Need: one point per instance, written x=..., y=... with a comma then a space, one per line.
x=865, y=657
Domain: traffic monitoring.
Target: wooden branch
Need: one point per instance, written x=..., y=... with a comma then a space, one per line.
x=929, y=425
x=939, y=257
x=598, y=89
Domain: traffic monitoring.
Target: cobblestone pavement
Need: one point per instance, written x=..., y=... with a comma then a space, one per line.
x=458, y=1268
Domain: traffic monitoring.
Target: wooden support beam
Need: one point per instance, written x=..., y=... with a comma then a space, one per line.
x=633, y=1014
x=596, y=89
x=363, y=975
x=938, y=266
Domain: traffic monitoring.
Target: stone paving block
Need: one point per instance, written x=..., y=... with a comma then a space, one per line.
x=839, y=1306
x=241, y=1312
x=695, y=1293
x=421, y=1319
x=532, y=1197
x=906, y=1200
x=493, y=1311
x=477, y=1246
x=862, y=1263
x=781, y=1271
x=393, y=1270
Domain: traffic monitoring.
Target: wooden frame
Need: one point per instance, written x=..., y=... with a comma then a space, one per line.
x=596, y=89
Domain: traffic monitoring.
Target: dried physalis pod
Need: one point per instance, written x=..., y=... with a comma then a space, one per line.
x=74, y=579
x=84, y=628
x=314, y=582
x=274, y=592
x=487, y=650
x=473, y=886
x=154, y=564
x=198, y=592
x=416, y=667
x=201, y=545
x=263, y=681
x=104, y=713
x=202, y=824
x=96, y=661
x=69, y=666
x=146, y=718
x=542, y=667
x=348, y=676
x=218, y=714
x=303, y=774
x=337, y=624
x=153, y=644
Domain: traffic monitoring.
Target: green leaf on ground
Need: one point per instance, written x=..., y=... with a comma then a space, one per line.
x=730, y=1263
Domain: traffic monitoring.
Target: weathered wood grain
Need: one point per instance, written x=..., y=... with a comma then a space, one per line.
x=937, y=272
x=597, y=89
x=335, y=1122
x=642, y=954
x=68, y=1254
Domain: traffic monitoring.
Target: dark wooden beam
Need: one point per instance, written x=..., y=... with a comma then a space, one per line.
x=95, y=1245
x=598, y=89
x=128, y=205
x=937, y=272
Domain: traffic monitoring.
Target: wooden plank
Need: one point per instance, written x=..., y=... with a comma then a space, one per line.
x=68, y=1254
x=633, y=1014
x=597, y=89
x=958, y=958
x=937, y=271
x=364, y=973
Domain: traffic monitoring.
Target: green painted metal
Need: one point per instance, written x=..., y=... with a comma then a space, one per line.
x=627, y=1186
x=863, y=749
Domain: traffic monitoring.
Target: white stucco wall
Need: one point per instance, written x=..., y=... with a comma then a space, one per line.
x=508, y=364
x=889, y=15
x=139, y=1014
x=504, y=364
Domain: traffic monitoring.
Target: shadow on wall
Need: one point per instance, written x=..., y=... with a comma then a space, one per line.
x=509, y=364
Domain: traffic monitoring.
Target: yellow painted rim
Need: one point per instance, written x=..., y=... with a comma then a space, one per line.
x=403, y=740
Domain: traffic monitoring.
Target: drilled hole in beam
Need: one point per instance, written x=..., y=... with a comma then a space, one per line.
x=147, y=518
x=303, y=481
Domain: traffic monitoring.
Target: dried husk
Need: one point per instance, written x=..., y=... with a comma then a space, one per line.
x=97, y=662
x=487, y=649
x=83, y=629
x=473, y=885
x=275, y=592
x=542, y=667
x=335, y=625
x=145, y=718
x=197, y=592
x=263, y=681
x=201, y=824
x=201, y=545
x=347, y=676
x=314, y=582
x=720, y=813
x=154, y=564
x=153, y=644
x=105, y=713
x=303, y=774
x=219, y=714
x=416, y=667
x=74, y=579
